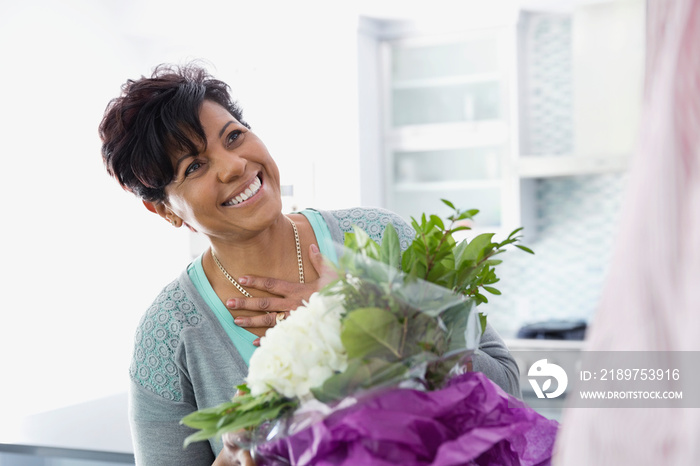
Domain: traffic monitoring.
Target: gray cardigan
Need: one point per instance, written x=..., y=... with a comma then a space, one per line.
x=184, y=360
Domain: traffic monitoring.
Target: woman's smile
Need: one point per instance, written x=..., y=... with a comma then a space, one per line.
x=250, y=191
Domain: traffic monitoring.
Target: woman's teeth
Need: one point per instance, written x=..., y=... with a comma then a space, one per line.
x=248, y=193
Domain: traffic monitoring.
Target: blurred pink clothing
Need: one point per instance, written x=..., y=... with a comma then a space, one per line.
x=652, y=296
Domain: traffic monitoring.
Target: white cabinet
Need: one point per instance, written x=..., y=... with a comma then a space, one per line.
x=535, y=131
x=450, y=124
x=482, y=116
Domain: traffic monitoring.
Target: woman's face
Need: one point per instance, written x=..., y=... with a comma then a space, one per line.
x=231, y=187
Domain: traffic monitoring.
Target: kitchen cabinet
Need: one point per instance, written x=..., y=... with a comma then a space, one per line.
x=481, y=116
x=450, y=126
x=537, y=131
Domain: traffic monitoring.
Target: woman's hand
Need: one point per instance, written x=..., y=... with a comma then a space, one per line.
x=232, y=454
x=287, y=295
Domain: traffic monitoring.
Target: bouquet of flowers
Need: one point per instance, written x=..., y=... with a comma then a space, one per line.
x=373, y=368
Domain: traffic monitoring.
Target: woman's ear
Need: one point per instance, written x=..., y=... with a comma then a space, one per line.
x=150, y=206
x=165, y=212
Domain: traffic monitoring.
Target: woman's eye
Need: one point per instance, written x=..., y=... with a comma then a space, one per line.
x=191, y=168
x=233, y=137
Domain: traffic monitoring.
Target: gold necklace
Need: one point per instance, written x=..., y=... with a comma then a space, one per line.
x=238, y=285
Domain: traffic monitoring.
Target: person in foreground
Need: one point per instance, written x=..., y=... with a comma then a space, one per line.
x=179, y=142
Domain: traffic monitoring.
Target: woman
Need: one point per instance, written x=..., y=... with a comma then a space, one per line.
x=180, y=143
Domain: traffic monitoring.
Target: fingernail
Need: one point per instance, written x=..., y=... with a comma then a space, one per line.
x=243, y=280
x=231, y=303
x=314, y=248
x=238, y=321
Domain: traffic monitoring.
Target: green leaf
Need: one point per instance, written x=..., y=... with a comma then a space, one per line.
x=467, y=214
x=476, y=248
x=242, y=412
x=390, y=250
x=360, y=374
x=200, y=436
x=437, y=221
x=371, y=332
x=455, y=319
x=514, y=232
x=448, y=204
x=482, y=321
x=524, y=248
x=247, y=419
x=361, y=242
x=492, y=290
x=208, y=417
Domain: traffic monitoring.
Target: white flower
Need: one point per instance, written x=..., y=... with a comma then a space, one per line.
x=300, y=352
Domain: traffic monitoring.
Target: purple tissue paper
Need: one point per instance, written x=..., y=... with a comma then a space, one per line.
x=471, y=421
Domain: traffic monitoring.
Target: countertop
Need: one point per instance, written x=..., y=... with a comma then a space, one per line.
x=97, y=429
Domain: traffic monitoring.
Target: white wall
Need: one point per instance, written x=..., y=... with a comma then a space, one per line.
x=608, y=48
x=82, y=259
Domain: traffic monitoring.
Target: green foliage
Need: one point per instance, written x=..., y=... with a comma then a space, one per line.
x=360, y=375
x=242, y=412
x=467, y=268
x=372, y=332
x=410, y=314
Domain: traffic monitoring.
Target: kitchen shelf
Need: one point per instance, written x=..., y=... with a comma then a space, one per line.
x=448, y=135
x=446, y=81
x=443, y=186
x=569, y=165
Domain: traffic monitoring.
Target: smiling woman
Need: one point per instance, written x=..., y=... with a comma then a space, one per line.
x=180, y=143
x=230, y=187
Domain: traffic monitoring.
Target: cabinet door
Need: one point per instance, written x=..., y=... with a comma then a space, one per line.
x=470, y=177
x=448, y=124
x=434, y=83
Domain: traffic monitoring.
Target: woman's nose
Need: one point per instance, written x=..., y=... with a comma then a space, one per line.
x=229, y=166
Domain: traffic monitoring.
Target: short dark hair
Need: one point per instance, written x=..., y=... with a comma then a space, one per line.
x=152, y=118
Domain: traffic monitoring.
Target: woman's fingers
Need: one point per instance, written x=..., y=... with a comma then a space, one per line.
x=291, y=290
x=269, y=319
x=232, y=454
x=267, y=304
x=288, y=296
x=325, y=271
x=270, y=285
x=263, y=320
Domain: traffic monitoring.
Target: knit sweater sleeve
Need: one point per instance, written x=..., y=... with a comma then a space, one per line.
x=160, y=394
x=373, y=220
x=494, y=360
x=183, y=361
x=157, y=434
x=493, y=357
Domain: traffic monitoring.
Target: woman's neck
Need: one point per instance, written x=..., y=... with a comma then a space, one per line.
x=269, y=253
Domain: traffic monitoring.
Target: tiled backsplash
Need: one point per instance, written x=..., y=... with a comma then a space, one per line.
x=575, y=216
x=576, y=224
x=547, y=84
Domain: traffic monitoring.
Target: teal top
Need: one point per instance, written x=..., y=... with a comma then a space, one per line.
x=243, y=339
